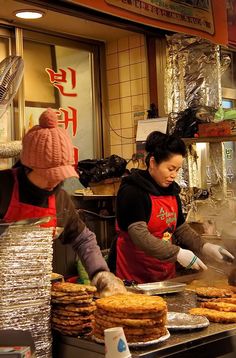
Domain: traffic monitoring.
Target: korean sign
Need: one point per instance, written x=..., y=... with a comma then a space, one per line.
x=194, y=14
x=69, y=115
x=203, y=18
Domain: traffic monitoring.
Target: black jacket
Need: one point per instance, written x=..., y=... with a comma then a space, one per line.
x=133, y=198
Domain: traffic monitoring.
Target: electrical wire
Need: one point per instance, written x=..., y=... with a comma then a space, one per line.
x=97, y=215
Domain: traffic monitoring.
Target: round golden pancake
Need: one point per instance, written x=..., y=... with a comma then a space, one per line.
x=73, y=287
x=132, y=303
x=132, y=322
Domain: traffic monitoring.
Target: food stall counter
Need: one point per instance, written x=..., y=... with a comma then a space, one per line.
x=217, y=340
x=213, y=341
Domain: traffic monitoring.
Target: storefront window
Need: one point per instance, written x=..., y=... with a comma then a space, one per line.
x=227, y=103
x=61, y=77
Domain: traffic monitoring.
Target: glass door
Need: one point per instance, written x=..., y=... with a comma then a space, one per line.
x=62, y=74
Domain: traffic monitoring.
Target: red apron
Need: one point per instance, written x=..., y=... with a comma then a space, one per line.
x=20, y=211
x=132, y=263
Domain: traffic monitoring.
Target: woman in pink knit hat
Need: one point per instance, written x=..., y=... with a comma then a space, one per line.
x=34, y=190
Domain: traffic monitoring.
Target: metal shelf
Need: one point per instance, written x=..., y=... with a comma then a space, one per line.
x=231, y=138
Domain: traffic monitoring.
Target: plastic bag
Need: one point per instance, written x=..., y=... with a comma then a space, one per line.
x=223, y=114
x=94, y=171
x=186, y=122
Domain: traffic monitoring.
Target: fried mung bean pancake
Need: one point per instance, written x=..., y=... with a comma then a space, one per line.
x=133, y=315
x=214, y=315
x=76, y=308
x=70, y=322
x=131, y=322
x=220, y=306
x=72, y=308
x=79, y=295
x=211, y=292
x=83, y=302
x=71, y=298
x=62, y=312
x=58, y=294
x=74, y=327
x=73, y=287
x=132, y=303
x=142, y=317
x=231, y=300
x=102, y=324
x=74, y=317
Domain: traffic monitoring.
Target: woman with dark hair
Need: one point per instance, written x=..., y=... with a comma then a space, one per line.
x=149, y=214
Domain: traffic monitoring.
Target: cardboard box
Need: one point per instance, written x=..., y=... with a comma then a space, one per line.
x=233, y=126
x=15, y=352
x=16, y=338
x=220, y=129
x=106, y=187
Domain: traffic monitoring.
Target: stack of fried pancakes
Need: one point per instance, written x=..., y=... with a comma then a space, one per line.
x=73, y=308
x=219, y=304
x=142, y=317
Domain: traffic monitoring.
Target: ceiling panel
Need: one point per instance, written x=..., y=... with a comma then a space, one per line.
x=59, y=22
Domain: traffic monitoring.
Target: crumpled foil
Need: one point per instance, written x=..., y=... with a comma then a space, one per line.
x=193, y=79
x=193, y=73
x=10, y=149
x=25, y=283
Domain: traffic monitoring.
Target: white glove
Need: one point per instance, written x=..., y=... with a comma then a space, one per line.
x=216, y=252
x=189, y=260
x=108, y=284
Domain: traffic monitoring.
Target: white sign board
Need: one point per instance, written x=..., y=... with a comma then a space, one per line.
x=145, y=127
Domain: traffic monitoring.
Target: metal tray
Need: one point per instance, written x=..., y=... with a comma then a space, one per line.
x=157, y=288
x=139, y=344
x=181, y=321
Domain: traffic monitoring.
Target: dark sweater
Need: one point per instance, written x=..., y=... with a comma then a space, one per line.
x=67, y=216
x=75, y=232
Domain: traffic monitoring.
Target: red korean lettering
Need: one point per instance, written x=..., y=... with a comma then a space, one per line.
x=57, y=78
x=76, y=156
x=69, y=117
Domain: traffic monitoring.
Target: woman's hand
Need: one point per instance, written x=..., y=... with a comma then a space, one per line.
x=189, y=260
x=216, y=252
x=108, y=284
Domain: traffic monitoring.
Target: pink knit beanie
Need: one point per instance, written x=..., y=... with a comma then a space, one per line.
x=48, y=150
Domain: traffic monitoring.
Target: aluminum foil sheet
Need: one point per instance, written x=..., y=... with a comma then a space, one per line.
x=193, y=74
x=182, y=321
x=10, y=149
x=25, y=286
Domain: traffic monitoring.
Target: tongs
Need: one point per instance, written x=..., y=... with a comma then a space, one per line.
x=132, y=284
x=228, y=265
x=218, y=270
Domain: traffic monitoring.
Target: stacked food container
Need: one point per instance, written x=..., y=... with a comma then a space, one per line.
x=26, y=266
